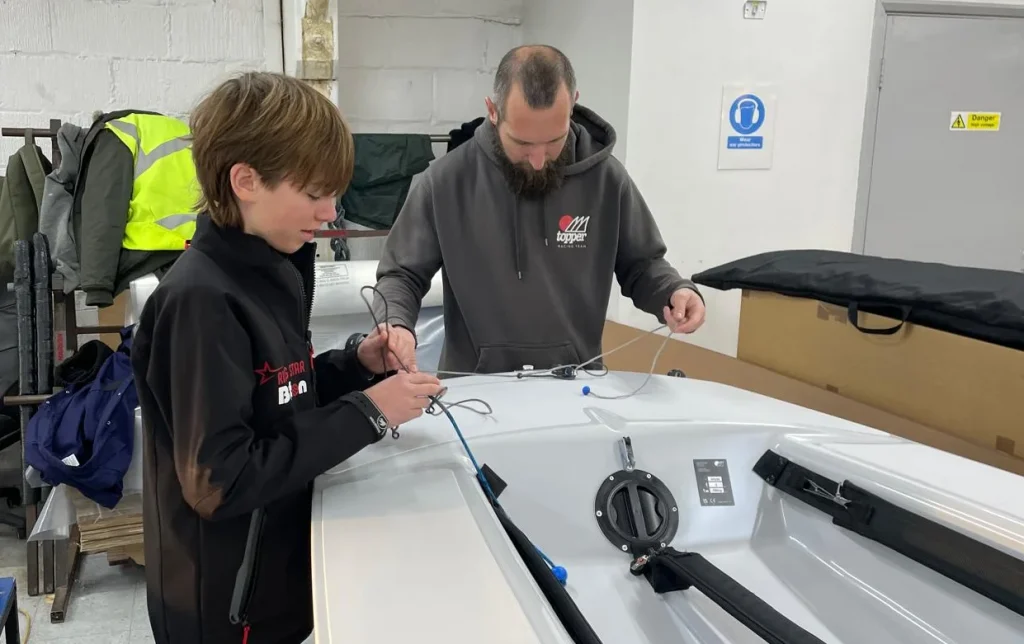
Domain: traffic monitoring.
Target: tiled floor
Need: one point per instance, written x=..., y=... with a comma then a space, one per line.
x=108, y=603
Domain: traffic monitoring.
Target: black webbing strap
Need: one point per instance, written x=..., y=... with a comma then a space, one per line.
x=668, y=570
x=982, y=568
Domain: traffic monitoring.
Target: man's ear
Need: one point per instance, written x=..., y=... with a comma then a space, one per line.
x=492, y=110
x=245, y=182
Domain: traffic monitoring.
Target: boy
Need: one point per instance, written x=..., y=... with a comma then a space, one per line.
x=238, y=413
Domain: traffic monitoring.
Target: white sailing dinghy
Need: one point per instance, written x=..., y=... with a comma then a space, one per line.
x=623, y=508
x=689, y=512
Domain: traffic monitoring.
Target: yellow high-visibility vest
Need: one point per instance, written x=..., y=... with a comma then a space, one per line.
x=161, y=214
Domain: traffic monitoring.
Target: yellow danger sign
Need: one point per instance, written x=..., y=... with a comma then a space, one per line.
x=983, y=121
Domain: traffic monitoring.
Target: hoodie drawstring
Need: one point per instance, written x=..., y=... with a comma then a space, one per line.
x=515, y=234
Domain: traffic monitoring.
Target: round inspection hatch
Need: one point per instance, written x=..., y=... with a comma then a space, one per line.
x=636, y=511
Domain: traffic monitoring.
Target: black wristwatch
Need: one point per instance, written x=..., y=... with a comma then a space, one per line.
x=352, y=347
x=354, y=340
x=372, y=412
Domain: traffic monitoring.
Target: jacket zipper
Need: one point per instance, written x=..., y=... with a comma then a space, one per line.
x=305, y=314
x=304, y=310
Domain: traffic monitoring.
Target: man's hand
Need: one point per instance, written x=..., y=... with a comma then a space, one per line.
x=392, y=341
x=686, y=313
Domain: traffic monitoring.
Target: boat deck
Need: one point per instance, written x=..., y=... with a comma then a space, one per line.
x=407, y=547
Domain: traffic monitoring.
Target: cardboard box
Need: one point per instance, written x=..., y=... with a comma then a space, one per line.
x=113, y=315
x=965, y=387
x=697, y=362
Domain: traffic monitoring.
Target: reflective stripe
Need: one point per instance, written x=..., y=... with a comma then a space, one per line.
x=127, y=128
x=173, y=221
x=145, y=160
x=167, y=148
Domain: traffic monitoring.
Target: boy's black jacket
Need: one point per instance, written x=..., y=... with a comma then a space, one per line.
x=238, y=415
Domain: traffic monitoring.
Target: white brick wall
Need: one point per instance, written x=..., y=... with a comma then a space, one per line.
x=403, y=65
x=420, y=65
x=68, y=58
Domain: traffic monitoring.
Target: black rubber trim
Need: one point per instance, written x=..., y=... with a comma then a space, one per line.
x=980, y=567
x=669, y=570
x=576, y=625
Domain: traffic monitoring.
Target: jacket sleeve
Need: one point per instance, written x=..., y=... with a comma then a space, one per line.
x=202, y=374
x=106, y=193
x=412, y=256
x=642, y=271
x=339, y=372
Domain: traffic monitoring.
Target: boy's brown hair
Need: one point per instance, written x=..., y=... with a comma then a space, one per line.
x=279, y=125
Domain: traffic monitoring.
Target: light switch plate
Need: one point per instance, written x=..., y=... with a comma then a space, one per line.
x=755, y=9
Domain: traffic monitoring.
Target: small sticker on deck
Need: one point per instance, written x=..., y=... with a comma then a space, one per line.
x=713, y=484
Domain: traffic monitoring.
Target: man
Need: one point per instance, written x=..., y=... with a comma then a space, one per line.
x=530, y=220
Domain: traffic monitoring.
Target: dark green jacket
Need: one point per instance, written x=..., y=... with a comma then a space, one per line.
x=20, y=195
x=384, y=168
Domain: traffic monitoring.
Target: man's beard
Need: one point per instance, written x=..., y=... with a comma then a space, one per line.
x=528, y=183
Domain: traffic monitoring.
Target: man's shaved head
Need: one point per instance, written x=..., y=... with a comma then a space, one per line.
x=540, y=71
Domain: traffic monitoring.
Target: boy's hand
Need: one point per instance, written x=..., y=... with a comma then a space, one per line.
x=404, y=396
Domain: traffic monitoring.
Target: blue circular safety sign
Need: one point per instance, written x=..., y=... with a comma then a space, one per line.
x=746, y=115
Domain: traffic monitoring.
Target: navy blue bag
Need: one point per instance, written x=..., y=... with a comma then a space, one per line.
x=83, y=436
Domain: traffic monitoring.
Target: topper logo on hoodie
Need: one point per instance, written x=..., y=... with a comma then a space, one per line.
x=288, y=385
x=572, y=232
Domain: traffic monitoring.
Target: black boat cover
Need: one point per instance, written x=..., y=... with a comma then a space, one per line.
x=977, y=303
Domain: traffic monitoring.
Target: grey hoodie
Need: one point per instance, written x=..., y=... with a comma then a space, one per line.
x=526, y=282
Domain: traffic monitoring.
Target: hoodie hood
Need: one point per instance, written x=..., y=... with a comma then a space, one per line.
x=590, y=142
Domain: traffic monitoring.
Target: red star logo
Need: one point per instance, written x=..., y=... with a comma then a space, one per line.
x=266, y=373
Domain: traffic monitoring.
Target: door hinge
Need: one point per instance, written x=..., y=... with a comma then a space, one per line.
x=881, y=74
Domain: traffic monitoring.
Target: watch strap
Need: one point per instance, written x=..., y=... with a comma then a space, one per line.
x=372, y=412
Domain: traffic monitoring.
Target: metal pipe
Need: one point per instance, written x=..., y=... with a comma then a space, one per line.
x=25, y=399
x=22, y=131
x=50, y=133
x=350, y=234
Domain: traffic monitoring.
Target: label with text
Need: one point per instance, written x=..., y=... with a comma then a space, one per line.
x=964, y=121
x=713, y=484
